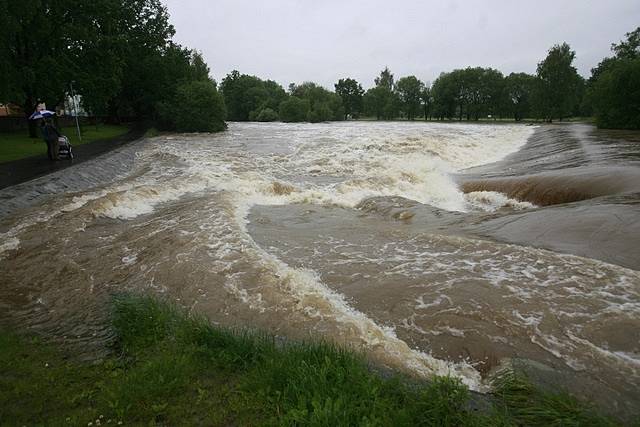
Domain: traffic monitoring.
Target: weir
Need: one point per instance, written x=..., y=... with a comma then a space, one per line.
x=433, y=248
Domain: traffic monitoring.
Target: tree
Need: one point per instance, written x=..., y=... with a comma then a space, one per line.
x=557, y=80
x=519, y=88
x=197, y=107
x=385, y=79
x=629, y=48
x=351, y=93
x=323, y=104
x=445, y=92
x=267, y=115
x=409, y=90
x=381, y=101
x=426, y=97
x=614, y=87
x=246, y=96
x=294, y=109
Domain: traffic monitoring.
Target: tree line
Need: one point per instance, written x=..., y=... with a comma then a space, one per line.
x=120, y=56
x=555, y=92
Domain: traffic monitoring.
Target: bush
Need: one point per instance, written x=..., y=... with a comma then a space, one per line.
x=196, y=107
x=294, y=109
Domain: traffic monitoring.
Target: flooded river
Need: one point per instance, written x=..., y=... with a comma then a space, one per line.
x=434, y=248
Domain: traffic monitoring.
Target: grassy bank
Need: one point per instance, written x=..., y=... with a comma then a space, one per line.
x=18, y=145
x=172, y=369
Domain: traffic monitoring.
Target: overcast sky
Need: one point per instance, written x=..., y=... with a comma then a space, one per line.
x=324, y=40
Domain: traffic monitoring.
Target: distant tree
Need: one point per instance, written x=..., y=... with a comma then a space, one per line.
x=267, y=115
x=445, y=91
x=246, y=96
x=557, y=81
x=385, y=80
x=382, y=101
x=321, y=112
x=323, y=104
x=294, y=109
x=351, y=93
x=519, y=88
x=426, y=97
x=494, y=94
x=375, y=100
x=196, y=107
x=629, y=48
x=409, y=90
x=614, y=87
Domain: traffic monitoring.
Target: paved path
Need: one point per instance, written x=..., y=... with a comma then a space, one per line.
x=17, y=171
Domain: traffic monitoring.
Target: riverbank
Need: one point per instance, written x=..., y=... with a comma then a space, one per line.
x=172, y=369
x=16, y=170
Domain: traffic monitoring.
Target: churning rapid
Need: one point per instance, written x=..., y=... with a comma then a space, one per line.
x=434, y=248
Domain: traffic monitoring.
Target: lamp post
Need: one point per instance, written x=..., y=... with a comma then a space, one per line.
x=75, y=108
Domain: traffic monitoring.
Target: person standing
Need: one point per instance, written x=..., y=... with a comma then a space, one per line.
x=51, y=134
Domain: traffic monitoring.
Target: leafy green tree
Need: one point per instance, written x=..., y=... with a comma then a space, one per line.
x=351, y=93
x=445, y=92
x=519, y=88
x=385, y=80
x=409, y=90
x=426, y=98
x=382, y=101
x=323, y=104
x=629, y=48
x=557, y=81
x=196, y=107
x=294, y=109
x=246, y=96
x=267, y=115
x=614, y=87
x=617, y=96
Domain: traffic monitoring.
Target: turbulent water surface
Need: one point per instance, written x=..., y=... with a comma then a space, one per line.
x=435, y=248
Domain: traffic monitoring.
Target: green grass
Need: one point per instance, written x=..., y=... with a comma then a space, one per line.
x=18, y=145
x=172, y=369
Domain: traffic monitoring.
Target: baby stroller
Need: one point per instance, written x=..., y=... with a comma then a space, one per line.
x=65, y=151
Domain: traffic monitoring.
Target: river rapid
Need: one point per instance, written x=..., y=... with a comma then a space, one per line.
x=435, y=248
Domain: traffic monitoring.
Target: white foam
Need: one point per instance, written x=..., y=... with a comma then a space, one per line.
x=491, y=201
x=9, y=244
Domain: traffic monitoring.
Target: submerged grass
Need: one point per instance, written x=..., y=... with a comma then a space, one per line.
x=174, y=369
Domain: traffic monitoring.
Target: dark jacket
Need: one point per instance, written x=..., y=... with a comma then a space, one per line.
x=50, y=133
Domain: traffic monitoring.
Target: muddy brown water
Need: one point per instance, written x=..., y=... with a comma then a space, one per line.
x=435, y=248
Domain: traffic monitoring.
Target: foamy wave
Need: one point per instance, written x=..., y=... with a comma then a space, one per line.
x=491, y=201
x=9, y=244
x=317, y=300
